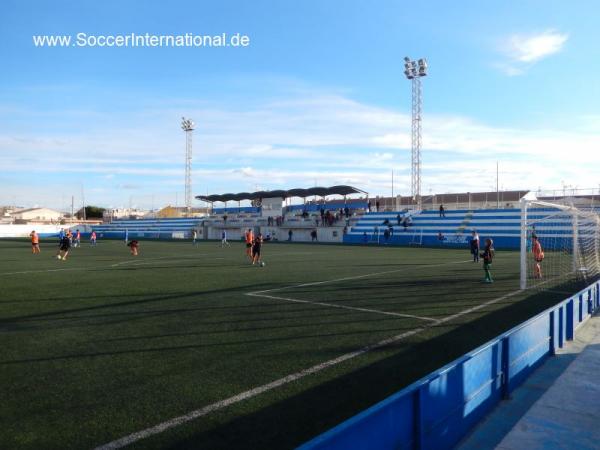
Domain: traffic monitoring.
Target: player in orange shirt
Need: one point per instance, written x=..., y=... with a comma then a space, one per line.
x=133, y=247
x=538, y=256
x=35, y=242
x=249, y=235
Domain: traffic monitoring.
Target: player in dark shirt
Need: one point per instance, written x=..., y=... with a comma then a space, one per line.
x=256, y=248
x=64, y=247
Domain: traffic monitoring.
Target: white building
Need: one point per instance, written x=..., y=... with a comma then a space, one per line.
x=122, y=213
x=37, y=215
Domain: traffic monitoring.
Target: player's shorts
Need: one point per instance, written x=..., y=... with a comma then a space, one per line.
x=248, y=245
x=256, y=250
x=65, y=248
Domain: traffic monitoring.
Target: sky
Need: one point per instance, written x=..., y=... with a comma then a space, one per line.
x=316, y=97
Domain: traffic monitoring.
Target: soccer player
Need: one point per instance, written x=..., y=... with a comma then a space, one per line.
x=133, y=246
x=488, y=256
x=475, y=246
x=77, y=241
x=256, y=247
x=93, y=239
x=65, y=246
x=538, y=256
x=249, y=240
x=194, y=236
x=35, y=242
x=61, y=236
x=224, y=238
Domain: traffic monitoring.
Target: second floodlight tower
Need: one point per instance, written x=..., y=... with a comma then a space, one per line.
x=188, y=126
x=414, y=70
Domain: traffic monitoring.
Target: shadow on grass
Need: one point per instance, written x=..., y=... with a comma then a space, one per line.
x=290, y=422
x=395, y=330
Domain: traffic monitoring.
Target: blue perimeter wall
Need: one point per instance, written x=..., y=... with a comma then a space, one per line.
x=437, y=411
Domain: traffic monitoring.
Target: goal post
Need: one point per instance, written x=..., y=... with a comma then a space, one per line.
x=569, y=239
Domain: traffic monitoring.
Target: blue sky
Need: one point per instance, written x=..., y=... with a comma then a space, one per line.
x=318, y=97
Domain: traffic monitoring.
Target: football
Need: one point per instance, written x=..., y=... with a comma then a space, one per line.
x=262, y=264
x=58, y=257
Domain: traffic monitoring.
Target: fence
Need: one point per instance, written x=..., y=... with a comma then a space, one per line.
x=438, y=410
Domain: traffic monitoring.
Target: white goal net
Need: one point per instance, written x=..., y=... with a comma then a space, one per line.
x=559, y=244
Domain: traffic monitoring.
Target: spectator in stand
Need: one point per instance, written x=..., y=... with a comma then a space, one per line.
x=290, y=234
x=317, y=220
x=386, y=235
x=442, y=211
x=345, y=232
x=377, y=205
x=369, y=206
x=346, y=211
x=224, y=218
x=399, y=219
x=365, y=238
x=313, y=235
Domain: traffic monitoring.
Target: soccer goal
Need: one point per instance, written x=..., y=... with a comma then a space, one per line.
x=559, y=243
x=375, y=236
x=417, y=237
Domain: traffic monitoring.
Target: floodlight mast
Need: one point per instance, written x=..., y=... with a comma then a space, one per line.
x=414, y=70
x=188, y=126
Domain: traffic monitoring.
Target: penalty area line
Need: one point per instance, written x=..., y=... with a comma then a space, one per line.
x=333, y=305
x=180, y=420
x=358, y=277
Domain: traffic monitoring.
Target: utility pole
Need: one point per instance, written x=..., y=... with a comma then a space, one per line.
x=497, y=190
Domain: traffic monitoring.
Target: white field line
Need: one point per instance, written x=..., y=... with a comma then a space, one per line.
x=157, y=429
x=315, y=283
x=134, y=437
x=352, y=308
x=333, y=305
x=65, y=269
x=136, y=262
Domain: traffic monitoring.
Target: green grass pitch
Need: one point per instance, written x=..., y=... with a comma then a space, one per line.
x=104, y=345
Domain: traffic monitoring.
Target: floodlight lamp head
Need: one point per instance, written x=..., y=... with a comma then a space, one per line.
x=187, y=124
x=422, y=67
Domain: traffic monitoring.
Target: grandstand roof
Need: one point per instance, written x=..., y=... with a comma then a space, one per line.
x=302, y=193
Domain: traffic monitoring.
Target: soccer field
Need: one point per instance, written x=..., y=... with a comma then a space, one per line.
x=105, y=345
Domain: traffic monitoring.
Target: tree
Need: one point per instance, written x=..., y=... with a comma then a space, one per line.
x=91, y=212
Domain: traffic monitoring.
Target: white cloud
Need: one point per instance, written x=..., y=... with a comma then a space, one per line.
x=323, y=139
x=524, y=50
x=532, y=48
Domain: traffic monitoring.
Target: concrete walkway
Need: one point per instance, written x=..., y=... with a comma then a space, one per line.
x=558, y=407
